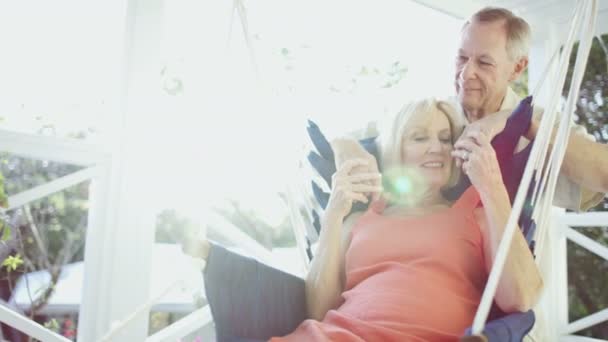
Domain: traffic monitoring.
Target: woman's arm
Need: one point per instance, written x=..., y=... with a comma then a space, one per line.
x=325, y=279
x=520, y=282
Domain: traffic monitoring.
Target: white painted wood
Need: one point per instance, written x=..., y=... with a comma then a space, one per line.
x=586, y=322
x=459, y=9
x=60, y=150
x=28, y=326
x=539, y=13
x=185, y=326
x=551, y=265
x=541, y=52
x=587, y=243
x=121, y=232
x=574, y=338
x=51, y=187
x=598, y=218
x=561, y=276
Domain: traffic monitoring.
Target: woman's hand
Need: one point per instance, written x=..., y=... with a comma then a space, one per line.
x=479, y=161
x=520, y=283
x=349, y=187
x=346, y=149
x=490, y=125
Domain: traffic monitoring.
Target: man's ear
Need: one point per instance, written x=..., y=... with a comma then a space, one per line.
x=520, y=66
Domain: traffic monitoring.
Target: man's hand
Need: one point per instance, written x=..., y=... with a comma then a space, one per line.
x=346, y=149
x=490, y=125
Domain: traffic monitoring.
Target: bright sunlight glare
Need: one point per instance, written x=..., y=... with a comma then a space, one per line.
x=237, y=87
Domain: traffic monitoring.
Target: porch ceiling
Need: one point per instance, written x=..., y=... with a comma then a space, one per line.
x=539, y=13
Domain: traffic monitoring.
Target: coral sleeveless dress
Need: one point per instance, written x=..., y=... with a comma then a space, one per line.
x=407, y=278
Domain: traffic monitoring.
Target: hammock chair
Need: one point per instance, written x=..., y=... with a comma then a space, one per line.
x=271, y=286
x=251, y=301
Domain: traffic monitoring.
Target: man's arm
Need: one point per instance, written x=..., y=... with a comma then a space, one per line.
x=585, y=161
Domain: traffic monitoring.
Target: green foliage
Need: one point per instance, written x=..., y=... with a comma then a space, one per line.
x=520, y=86
x=6, y=231
x=3, y=196
x=44, y=234
x=12, y=262
x=382, y=77
x=395, y=74
x=52, y=325
x=171, y=226
x=252, y=224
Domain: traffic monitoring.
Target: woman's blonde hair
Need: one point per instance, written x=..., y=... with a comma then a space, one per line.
x=390, y=138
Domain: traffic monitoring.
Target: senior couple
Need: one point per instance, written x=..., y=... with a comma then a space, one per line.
x=413, y=266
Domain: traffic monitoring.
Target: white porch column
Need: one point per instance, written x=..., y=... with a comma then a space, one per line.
x=552, y=308
x=121, y=223
x=544, y=43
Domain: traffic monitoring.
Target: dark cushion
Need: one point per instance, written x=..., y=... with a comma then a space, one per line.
x=511, y=328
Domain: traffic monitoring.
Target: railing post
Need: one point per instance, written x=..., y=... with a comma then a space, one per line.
x=561, y=297
x=121, y=231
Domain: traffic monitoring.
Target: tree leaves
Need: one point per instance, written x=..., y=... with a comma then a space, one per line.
x=3, y=196
x=6, y=231
x=12, y=262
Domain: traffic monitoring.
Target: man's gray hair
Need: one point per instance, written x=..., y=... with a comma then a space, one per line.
x=517, y=29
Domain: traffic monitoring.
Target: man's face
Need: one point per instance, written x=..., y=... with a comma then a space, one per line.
x=483, y=67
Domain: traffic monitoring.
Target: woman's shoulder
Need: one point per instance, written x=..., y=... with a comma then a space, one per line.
x=351, y=219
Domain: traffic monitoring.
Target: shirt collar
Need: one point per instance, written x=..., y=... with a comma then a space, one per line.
x=511, y=100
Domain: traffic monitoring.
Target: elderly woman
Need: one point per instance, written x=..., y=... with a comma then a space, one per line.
x=413, y=266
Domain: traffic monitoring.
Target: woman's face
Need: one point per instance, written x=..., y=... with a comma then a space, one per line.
x=426, y=147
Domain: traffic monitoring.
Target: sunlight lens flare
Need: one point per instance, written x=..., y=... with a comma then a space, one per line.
x=403, y=185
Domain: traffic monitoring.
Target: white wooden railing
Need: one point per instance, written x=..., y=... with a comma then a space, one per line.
x=566, y=226
x=56, y=150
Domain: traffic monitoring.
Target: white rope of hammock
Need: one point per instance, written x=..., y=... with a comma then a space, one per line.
x=580, y=65
x=545, y=189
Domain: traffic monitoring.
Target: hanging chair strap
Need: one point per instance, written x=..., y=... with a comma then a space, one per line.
x=587, y=9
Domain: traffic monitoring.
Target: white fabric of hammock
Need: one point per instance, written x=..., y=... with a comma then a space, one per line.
x=547, y=170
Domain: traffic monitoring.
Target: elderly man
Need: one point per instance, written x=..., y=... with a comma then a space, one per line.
x=493, y=52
